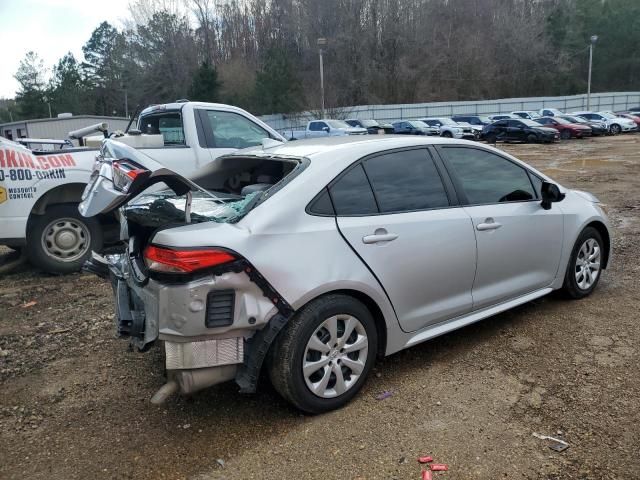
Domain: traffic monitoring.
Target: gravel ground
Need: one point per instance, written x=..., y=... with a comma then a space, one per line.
x=74, y=402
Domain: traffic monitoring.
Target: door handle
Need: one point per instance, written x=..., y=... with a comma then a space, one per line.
x=488, y=224
x=380, y=235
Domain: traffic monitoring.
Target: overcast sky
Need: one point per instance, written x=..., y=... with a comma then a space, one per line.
x=50, y=28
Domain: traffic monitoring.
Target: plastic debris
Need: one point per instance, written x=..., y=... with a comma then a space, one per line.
x=220, y=462
x=384, y=395
x=29, y=304
x=427, y=475
x=438, y=467
x=425, y=459
x=556, y=444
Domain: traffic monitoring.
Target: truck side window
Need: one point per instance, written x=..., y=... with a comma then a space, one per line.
x=231, y=130
x=316, y=126
x=169, y=124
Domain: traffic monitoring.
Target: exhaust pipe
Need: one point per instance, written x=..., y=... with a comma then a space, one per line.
x=191, y=381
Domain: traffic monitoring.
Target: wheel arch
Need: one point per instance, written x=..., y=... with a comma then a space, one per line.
x=606, y=238
x=66, y=193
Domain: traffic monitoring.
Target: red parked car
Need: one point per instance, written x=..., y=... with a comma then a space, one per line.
x=631, y=116
x=566, y=128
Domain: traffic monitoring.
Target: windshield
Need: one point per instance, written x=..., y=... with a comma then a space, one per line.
x=446, y=121
x=561, y=121
x=337, y=124
x=484, y=119
x=608, y=115
x=369, y=123
x=530, y=123
x=575, y=119
x=418, y=124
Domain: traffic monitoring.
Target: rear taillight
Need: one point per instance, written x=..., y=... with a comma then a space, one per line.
x=168, y=260
x=124, y=173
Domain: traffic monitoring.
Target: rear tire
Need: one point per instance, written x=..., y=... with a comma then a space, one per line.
x=615, y=129
x=308, y=339
x=61, y=240
x=447, y=134
x=585, y=265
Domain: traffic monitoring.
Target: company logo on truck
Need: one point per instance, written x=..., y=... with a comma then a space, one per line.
x=19, y=166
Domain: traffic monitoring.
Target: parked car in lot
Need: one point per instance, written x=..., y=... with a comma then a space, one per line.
x=40, y=191
x=325, y=128
x=502, y=116
x=521, y=130
x=566, y=128
x=413, y=127
x=373, y=126
x=550, y=112
x=449, y=128
x=528, y=114
x=614, y=123
x=597, y=128
x=356, y=249
x=630, y=116
x=477, y=122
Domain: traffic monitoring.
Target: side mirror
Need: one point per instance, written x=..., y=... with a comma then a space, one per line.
x=326, y=129
x=550, y=194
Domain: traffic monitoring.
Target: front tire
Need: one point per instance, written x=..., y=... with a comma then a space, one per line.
x=615, y=129
x=585, y=264
x=61, y=240
x=447, y=134
x=322, y=357
x=531, y=138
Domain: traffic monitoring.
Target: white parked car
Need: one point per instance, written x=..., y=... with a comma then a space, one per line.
x=528, y=114
x=614, y=124
x=325, y=128
x=449, y=128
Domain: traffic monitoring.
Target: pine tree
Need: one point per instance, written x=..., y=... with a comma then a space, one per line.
x=31, y=98
x=278, y=89
x=205, y=86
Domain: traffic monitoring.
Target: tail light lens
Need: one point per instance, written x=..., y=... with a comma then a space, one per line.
x=167, y=260
x=124, y=173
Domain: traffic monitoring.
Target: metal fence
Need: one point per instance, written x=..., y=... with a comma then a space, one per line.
x=389, y=113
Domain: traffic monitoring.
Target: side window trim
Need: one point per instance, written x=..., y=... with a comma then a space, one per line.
x=462, y=196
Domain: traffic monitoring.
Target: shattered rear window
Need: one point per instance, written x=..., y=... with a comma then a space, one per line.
x=162, y=208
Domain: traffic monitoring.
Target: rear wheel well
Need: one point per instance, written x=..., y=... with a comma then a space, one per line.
x=604, y=233
x=376, y=313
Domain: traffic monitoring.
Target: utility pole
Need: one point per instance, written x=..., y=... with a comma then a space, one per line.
x=321, y=43
x=594, y=39
x=126, y=103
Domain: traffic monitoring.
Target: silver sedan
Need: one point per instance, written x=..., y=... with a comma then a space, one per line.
x=310, y=259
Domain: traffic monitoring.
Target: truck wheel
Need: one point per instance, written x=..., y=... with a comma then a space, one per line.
x=61, y=240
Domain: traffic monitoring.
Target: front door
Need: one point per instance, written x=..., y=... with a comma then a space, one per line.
x=395, y=213
x=519, y=243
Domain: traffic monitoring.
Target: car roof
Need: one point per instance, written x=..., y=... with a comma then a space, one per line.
x=356, y=144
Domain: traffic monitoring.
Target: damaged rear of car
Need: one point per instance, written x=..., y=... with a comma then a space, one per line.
x=201, y=297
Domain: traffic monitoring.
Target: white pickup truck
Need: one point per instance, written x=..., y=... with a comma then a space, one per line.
x=326, y=128
x=40, y=191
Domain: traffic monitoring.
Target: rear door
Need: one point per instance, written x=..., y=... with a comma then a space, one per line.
x=516, y=130
x=398, y=212
x=519, y=243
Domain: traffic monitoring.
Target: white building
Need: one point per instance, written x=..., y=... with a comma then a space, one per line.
x=57, y=128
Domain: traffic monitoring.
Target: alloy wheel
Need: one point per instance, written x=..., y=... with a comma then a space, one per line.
x=587, y=266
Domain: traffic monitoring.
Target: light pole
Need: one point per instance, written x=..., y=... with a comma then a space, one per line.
x=321, y=43
x=594, y=39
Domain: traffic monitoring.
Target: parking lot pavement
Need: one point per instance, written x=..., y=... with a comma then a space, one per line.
x=74, y=402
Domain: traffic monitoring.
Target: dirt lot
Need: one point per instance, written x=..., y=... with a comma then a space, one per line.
x=74, y=402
